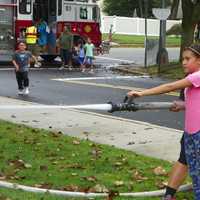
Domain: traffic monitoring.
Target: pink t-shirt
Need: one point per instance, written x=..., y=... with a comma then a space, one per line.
x=192, y=104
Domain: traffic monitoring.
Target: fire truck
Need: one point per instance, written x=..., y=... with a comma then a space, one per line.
x=82, y=17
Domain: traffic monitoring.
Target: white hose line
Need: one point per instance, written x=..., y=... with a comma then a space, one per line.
x=102, y=107
x=156, y=193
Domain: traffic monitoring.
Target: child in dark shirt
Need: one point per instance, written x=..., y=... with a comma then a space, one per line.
x=21, y=61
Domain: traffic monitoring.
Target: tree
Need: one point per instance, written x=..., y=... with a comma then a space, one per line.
x=174, y=9
x=191, y=16
x=120, y=7
x=126, y=7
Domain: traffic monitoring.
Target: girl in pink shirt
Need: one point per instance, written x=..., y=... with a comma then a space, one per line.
x=191, y=83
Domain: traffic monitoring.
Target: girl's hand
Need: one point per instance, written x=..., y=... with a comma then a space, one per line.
x=134, y=94
x=177, y=106
x=17, y=68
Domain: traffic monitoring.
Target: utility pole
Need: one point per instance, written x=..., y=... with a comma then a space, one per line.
x=162, y=56
x=145, y=42
x=162, y=40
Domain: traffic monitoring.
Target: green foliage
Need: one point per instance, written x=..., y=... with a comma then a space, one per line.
x=138, y=41
x=126, y=7
x=120, y=7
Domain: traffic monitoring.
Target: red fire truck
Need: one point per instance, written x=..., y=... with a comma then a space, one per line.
x=81, y=16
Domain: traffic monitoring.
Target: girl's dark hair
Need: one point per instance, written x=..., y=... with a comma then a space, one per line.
x=21, y=43
x=195, y=48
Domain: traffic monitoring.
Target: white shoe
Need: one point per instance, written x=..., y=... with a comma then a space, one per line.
x=83, y=70
x=91, y=71
x=58, y=59
x=70, y=68
x=26, y=91
x=20, y=92
x=40, y=58
x=36, y=65
x=62, y=67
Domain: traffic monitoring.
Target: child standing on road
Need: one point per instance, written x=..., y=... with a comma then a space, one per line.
x=21, y=61
x=81, y=55
x=191, y=83
x=89, y=55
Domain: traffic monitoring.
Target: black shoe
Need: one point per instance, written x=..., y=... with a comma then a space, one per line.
x=168, y=197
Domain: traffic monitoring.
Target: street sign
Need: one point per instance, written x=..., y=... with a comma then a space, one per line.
x=161, y=13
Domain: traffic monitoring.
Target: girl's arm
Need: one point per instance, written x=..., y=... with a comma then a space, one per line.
x=165, y=88
x=16, y=65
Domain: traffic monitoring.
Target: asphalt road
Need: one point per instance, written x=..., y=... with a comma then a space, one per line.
x=103, y=87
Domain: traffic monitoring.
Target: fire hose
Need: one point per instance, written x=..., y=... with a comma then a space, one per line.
x=156, y=193
x=127, y=105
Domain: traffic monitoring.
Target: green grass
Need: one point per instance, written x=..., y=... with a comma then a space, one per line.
x=51, y=160
x=170, y=71
x=138, y=41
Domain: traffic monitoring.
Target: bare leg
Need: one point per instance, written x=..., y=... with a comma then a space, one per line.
x=177, y=175
x=82, y=67
x=176, y=178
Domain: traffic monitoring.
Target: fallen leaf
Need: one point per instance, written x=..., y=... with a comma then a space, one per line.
x=2, y=177
x=138, y=177
x=56, y=135
x=118, y=183
x=17, y=163
x=112, y=195
x=159, y=171
x=27, y=166
x=90, y=178
x=55, y=162
x=43, y=168
x=76, y=142
x=73, y=188
x=73, y=166
x=99, y=188
x=161, y=185
x=44, y=185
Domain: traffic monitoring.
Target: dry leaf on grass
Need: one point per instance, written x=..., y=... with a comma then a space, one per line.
x=118, y=183
x=160, y=171
x=138, y=177
x=76, y=142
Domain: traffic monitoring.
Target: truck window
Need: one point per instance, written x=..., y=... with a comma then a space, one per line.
x=94, y=13
x=25, y=6
x=52, y=8
x=59, y=7
x=83, y=13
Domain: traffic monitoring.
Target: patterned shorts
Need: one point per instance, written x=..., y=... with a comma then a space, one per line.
x=192, y=151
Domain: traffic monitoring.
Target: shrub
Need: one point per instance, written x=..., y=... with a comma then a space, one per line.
x=176, y=29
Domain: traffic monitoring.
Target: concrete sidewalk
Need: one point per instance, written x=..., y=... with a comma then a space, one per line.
x=142, y=138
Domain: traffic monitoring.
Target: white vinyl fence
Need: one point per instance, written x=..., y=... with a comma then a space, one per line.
x=133, y=26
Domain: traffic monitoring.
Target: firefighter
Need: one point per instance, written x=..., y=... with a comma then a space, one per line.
x=31, y=41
